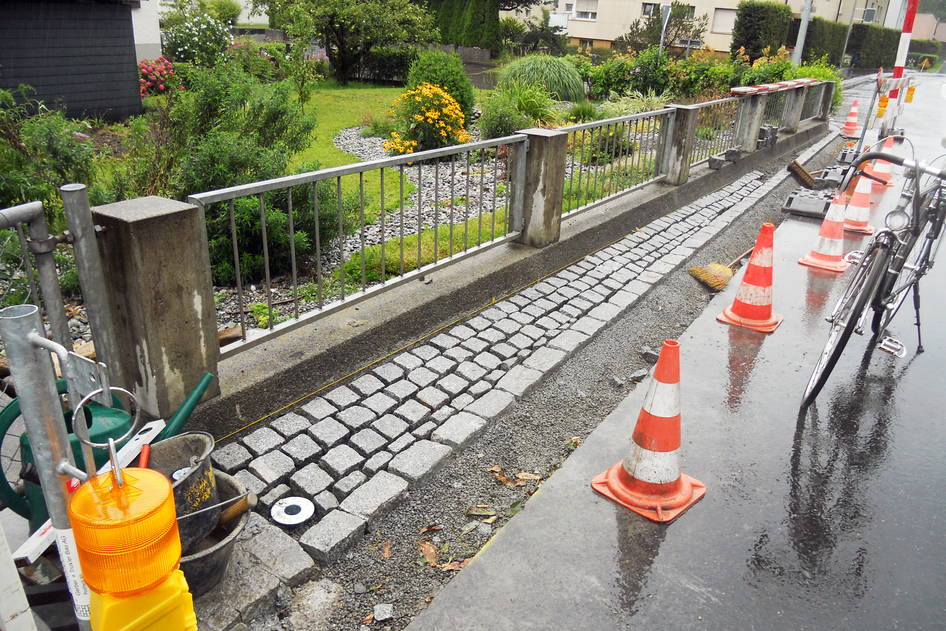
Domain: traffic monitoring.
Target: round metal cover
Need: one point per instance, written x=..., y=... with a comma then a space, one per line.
x=292, y=511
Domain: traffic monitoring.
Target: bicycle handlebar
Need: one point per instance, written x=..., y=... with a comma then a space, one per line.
x=895, y=159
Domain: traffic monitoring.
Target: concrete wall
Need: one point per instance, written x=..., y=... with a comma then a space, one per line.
x=147, y=29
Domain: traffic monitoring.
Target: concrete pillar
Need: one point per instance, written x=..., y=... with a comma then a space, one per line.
x=679, y=145
x=751, y=109
x=794, y=103
x=161, y=298
x=827, y=96
x=538, y=183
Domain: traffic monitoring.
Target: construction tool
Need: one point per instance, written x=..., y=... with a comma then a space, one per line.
x=716, y=275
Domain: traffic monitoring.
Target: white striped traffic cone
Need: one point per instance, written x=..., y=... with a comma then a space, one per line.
x=857, y=214
x=851, y=128
x=883, y=169
x=648, y=481
x=752, y=307
x=829, y=249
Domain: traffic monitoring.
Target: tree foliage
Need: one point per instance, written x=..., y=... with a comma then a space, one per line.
x=645, y=32
x=349, y=30
x=936, y=7
x=760, y=25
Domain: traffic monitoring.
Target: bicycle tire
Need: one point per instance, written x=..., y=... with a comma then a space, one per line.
x=859, y=292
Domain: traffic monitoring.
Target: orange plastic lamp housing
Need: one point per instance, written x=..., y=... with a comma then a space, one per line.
x=126, y=536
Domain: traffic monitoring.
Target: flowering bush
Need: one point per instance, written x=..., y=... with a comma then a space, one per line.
x=428, y=118
x=156, y=76
x=200, y=40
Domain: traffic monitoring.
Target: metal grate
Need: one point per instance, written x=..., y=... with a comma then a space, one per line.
x=716, y=124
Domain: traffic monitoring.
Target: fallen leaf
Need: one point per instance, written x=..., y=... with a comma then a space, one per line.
x=368, y=619
x=428, y=599
x=507, y=481
x=490, y=520
x=522, y=475
x=470, y=527
x=482, y=505
x=429, y=551
x=429, y=528
x=495, y=469
x=480, y=511
x=454, y=566
x=374, y=588
x=515, y=508
x=386, y=549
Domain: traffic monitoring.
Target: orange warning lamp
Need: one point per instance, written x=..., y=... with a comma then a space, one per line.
x=884, y=99
x=126, y=535
x=909, y=96
x=881, y=112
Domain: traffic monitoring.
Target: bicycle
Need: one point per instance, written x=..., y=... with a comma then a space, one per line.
x=883, y=276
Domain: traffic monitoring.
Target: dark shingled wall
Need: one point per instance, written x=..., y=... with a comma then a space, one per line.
x=77, y=55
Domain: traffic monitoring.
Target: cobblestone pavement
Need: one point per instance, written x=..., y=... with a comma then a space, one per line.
x=357, y=450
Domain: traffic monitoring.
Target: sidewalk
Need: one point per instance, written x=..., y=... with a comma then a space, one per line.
x=803, y=524
x=358, y=449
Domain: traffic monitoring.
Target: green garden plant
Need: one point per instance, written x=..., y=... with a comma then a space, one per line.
x=446, y=70
x=200, y=40
x=557, y=75
x=427, y=117
x=760, y=25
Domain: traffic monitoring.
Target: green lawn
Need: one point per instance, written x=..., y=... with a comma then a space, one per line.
x=337, y=108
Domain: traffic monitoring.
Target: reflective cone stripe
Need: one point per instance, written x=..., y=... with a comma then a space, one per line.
x=851, y=128
x=829, y=249
x=857, y=215
x=648, y=481
x=882, y=168
x=752, y=307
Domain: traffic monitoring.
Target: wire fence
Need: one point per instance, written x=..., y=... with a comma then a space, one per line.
x=774, y=111
x=811, y=107
x=716, y=125
x=610, y=157
x=334, y=236
x=17, y=275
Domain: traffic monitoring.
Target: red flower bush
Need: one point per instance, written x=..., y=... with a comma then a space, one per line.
x=154, y=76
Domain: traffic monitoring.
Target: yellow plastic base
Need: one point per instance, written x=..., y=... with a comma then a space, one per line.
x=165, y=607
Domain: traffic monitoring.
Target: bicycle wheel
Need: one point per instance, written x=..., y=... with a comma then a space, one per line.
x=846, y=315
x=902, y=276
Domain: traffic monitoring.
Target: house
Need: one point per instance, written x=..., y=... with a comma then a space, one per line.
x=597, y=23
x=77, y=54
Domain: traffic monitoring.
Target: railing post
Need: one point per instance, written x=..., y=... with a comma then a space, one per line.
x=751, y=110
x=538, y=185
x=794, y=103
x=680, y=143
x=827, y=96
x=161, y=296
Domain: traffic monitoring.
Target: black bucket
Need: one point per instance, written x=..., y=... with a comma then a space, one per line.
x=185, y=460
x=204, y=568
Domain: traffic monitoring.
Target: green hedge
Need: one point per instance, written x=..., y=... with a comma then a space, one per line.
x=824, y=37
x=468, y=22
x=760, y=25
x=873, y=46
x=386, y=65
x=928, y=46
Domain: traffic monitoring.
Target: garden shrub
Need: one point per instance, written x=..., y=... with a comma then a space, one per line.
x=582, y=62
x=616, y=75
x=200, y=40
x=926, y=46
x=266, y=63
x=557, y=75
x=824, y=70
x=428, y=117
x=226, y=11
x=824, y=38
x=156, y=76
x=872, y=46
x=635, y=103
x=583, y=112
x=760, y=25
x=654, y=74
x=500, y=117
x=701, y=74
x=446, y=70
x=768, y=68
x=386, y=65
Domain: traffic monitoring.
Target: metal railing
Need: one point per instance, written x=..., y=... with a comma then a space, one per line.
x=613, y=156
x=716, y=125
x=355, y=230
x=774, y=111
x=811, y=108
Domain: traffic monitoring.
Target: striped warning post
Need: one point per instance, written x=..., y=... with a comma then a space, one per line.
x=752, y=308
x=829, y=249
x=648, y=481
x=851, y=128
x=857, y=214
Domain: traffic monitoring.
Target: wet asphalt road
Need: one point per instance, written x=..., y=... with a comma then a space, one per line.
x=829, y=520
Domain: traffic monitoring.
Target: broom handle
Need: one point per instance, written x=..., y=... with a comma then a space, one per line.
x=740, y=257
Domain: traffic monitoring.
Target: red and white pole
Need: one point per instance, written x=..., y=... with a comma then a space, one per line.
x=904, y=46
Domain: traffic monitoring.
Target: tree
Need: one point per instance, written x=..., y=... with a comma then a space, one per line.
x=519, y=5
x=682, y=25
x=936, y=7
x=349, y=30
x=543, y=36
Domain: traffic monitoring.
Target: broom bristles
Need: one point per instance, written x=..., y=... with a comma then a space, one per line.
x=715, y=275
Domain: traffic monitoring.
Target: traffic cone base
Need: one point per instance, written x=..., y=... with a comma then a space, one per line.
x=762, y=326
x=658, y=502
x=865, y=229
x=819, y=261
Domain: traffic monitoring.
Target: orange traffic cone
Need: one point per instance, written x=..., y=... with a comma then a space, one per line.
x=752, y=308
x=857, y=214
x=829, y=249
x=851, y=128
x=883, y=169
x=648, y=481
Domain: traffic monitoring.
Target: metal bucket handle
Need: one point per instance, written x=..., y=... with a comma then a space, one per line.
x=82, y=431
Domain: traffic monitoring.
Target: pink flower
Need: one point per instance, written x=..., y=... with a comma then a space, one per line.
x=161, y=87
x=149, y=84
x=180, y=87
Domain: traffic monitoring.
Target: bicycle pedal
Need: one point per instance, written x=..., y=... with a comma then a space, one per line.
x=854, y=257
x=893, y=346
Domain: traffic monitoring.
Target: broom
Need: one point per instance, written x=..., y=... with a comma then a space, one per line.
x=804, y=177
x=716, y=275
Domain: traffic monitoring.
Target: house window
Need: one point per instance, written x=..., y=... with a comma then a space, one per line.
x=869, y=15
x=724, y=20
x=569, y=7
x=691, y=11
x=650, y=8
x=587, y=15
x=585, y=43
